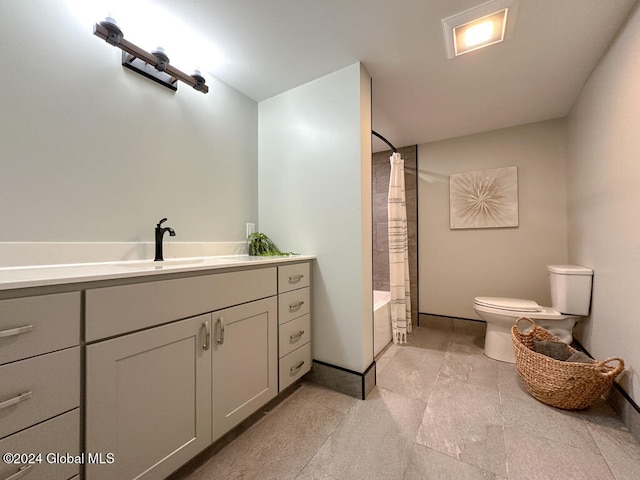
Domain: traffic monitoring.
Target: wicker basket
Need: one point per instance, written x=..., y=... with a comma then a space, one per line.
x=567, y=385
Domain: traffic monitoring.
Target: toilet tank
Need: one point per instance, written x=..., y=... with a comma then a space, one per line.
x=570, y=288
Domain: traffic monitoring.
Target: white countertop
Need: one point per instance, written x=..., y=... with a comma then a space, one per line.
x=42, y=275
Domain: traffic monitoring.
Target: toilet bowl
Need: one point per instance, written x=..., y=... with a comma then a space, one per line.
x=570, y=287
x=501, y=313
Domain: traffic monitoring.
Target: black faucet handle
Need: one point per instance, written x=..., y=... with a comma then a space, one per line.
x=161, y=222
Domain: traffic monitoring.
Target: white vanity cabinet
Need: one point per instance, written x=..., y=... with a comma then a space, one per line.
x=245, y=361
x=172, y=365
x=40, y=385
x=169, y=363
x=148, y=399
x=294, y=318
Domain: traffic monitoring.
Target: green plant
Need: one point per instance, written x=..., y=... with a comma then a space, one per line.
x=261, y=245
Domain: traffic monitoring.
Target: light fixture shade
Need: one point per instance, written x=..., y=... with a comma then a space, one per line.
x=480, y=33
x=481, y=26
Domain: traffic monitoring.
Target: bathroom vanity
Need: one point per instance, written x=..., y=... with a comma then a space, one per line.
x=172, y=358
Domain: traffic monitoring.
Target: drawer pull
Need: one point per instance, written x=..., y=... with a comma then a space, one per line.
x=16, y=331
x=296, y=336
x=293, y=370
x=15, y=400
x=20, y=473
x=207, y=336
x=220, y=330
x=295, y=278
x=296, y=306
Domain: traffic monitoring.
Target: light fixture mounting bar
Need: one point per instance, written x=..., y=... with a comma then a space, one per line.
x=135, y=52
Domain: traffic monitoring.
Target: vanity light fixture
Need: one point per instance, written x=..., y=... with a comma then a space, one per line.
x=478, y=27
x=153, y=65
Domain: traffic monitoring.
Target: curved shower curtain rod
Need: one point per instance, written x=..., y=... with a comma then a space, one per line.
x=373, y=132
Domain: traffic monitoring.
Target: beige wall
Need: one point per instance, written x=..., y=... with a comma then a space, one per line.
x=604, y=199
x=458, y=265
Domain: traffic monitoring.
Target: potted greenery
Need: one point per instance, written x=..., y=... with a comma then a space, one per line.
x=261, y=245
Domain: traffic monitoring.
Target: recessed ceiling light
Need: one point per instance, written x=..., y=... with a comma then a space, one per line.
x=478, y=27
x=480, y=33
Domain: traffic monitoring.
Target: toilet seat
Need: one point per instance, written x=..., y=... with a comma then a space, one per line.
x=501, y=313
x=508, y=304
x=513, y=308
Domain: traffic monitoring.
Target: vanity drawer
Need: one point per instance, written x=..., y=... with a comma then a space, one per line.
x=293, y=334
x=59, y=435
x=293, y=304
x=294, y=276
x=112, y=311
x=295, y=365
x=38, y=388
x=35, y=325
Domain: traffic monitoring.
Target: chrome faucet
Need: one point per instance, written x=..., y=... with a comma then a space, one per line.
x=160, y=231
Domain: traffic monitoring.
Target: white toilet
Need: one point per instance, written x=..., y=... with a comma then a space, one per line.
x=570, y=298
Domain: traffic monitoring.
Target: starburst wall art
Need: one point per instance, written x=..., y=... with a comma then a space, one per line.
x=484, y=198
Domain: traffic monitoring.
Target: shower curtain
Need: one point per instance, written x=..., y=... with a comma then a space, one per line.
x=398, y=253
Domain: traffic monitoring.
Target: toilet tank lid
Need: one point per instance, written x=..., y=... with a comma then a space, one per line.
x=570, y=269
x=510, y=304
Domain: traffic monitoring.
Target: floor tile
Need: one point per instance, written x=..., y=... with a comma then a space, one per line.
x=436, y=322
x=385, y=356
x=470, y=333
x=312, y=472
x=411, y=372
x=463, y=364
x=428, y=464
x=278, y=447
x=442, y=410
x=324, y=397
x=374, y=441
x=532, y=418
x=618, y=447
x=537, y=458
x=509, y=382
x=464, y=421
x=436, y=339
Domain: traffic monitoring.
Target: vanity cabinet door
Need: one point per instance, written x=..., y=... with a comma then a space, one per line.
x=245, y=361
x=148, y=399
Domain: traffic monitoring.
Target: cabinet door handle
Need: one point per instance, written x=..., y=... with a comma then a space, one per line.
x=295, y=306
x=293, y=370
x=296, y=336
x=207, y=336
x=295, y=278
x=220, y=331
x=15, y=331
x=20, y=473
x=15, y=400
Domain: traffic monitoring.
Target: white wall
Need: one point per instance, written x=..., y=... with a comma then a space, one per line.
x=457, y=265
x=315, y=197
x=90, y=151
x=604, y=198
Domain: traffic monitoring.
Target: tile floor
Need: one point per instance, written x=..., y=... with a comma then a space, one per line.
x=441, y=410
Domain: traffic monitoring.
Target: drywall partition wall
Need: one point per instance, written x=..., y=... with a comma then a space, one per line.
x=315, y=197
x=92, y=152
x=604, y=199
x=458, y=265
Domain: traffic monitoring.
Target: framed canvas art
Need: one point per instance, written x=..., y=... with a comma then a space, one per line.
x=484, y=198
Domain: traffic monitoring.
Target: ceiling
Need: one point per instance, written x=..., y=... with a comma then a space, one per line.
x=419, y=95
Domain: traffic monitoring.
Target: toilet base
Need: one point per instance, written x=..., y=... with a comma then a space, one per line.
x=498, y=343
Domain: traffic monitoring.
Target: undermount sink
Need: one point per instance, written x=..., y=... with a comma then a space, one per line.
x=171, y=262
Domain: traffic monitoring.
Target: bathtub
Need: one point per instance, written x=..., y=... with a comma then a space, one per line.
x=381, y=320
